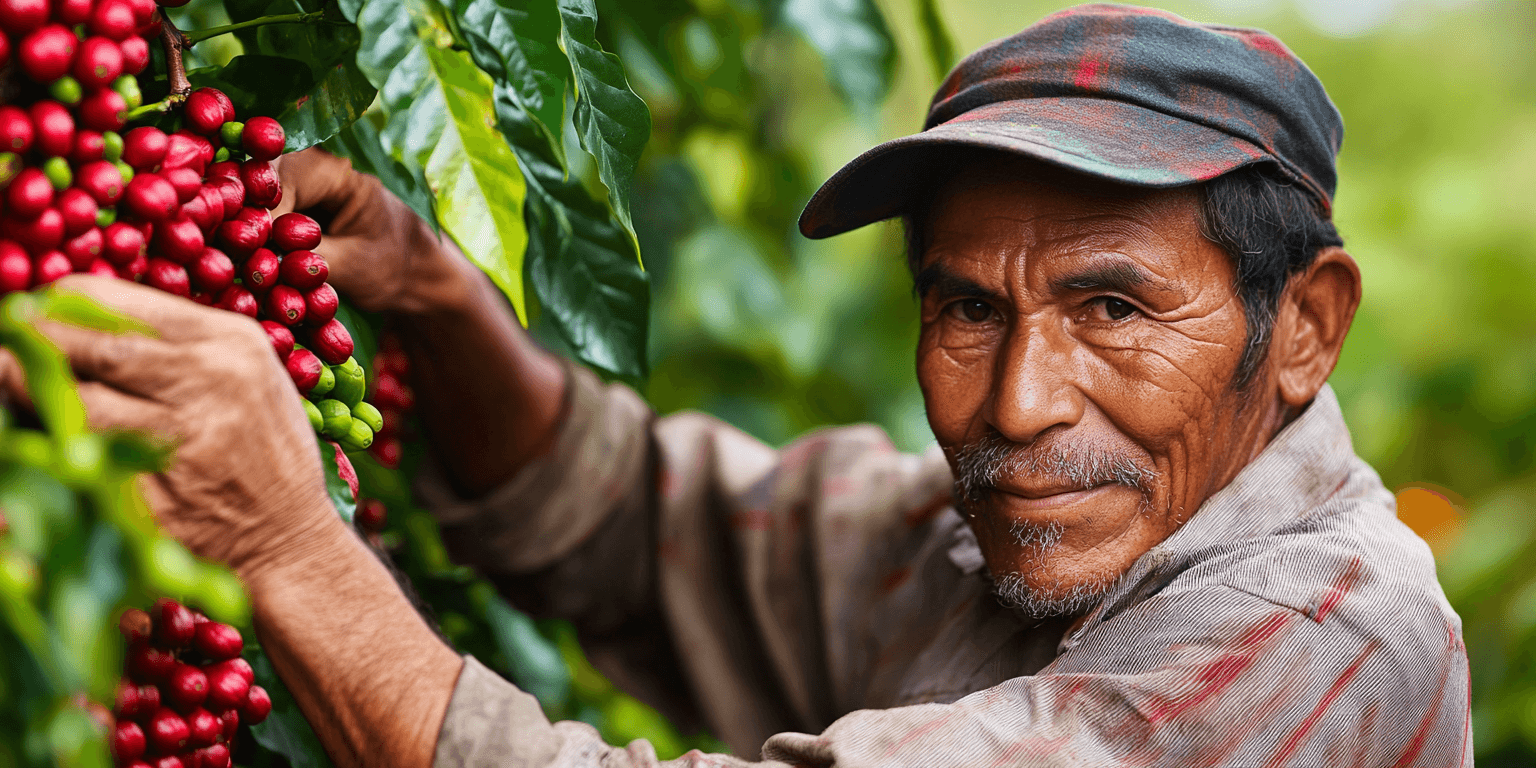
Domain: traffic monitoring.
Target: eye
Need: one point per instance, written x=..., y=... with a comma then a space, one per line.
x=971, y=310
x=1115, y=309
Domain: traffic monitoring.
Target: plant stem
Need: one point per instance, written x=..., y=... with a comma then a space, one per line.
x=163, y=105
x=176, y=70
x=282, y=18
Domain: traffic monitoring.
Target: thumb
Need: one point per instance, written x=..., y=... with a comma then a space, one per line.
x=314, y=178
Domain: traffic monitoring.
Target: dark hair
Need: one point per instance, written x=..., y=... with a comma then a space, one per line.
x=1272, y=229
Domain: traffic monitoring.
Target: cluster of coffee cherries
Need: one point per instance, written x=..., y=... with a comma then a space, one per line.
x=186, y=691
x=393, y=397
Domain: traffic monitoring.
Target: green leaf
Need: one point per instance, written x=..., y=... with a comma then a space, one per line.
x=612, y=121
x=936, y=39
x=583, y=264
x=535, y=662
x=854, y=43
x=285, y=731
x=440, y=126
x=517, y=43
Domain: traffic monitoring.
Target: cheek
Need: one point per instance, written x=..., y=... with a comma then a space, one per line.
x=954, y=381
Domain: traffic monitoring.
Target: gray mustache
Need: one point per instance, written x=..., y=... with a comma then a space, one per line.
x=983, y=464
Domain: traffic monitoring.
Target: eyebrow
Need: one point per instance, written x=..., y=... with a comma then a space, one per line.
x=936, y=277
x=1120, y=276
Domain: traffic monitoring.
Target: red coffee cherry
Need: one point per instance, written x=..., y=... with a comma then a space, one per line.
x=256, y=707
x=304, y=369
x=227, y=689
x=197, y=211
x=295, y=232
x=180, y=241
x=15, y=268
x=371, y=515
x=88, y=147
x=168, y=276
x=150, y=197
x=282, y=341
x=213, y=272
x=101, y=268
x=98, y=63
x=135, y=269
x=387, y=451
x=186, y=150
x=84, y=249
x=72, y=12
x=213, y=756
x=5, y=51
x=45, y=55
x=18, y=17
x=214, y=640
x=285, y=305
x=126, y=703
x=113, y=19
x=78, y=209
x=261, y=186
x=203, y=112
x=320, y=304
x=144, y=147
x=39, y=235
x=122, y=243
x=260, y=218
x=170, y=761
x=185, y=181
x=29, y=194
x=128, y=742
x=304, y=270
x=390, y=394
x=203, y=726
x=135, y=625
x=260, y=272
x=233, y=192
x=135, y=55
x=102, y=180
x=173, y=623
x=238, y=300
x=103, y=110
x=229, y=720
x=15, y=129
x=187, y=687
x=49, y=267
x=53, y=128
x=149, y=701
x=240, y=238
x=331, y=342
x=202, y=143
x=168, y=732
x=239, y=665
x=147, y=663
x=263, y=138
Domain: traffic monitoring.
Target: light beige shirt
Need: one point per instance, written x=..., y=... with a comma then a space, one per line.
x=824, y=604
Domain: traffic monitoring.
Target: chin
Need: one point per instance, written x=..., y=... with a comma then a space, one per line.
x=1029, y=597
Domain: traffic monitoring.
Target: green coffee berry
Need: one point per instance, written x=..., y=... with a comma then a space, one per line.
x=351, y=383
x=221, y=155
x=58, y=173
x=316, y=421
x=66, y=90
x=112, y=147
x=368, y=415
x=106, y=216
x=126, y=170
x=127, y=87
x=336, y=418
x=229, y=133
x=358, y=437
x=10, y=165
x=324, y=386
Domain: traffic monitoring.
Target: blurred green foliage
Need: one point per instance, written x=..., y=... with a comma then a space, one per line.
x=1437, y=202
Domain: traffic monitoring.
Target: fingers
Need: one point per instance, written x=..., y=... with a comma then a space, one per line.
x=109, y=409
x=172, y=317
x=128, y=361
x=315, y=178
x=13, y=381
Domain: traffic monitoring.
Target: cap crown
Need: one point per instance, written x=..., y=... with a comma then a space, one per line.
x=1242, y=82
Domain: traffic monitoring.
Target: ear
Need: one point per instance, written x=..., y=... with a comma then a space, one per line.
x=1315, y=314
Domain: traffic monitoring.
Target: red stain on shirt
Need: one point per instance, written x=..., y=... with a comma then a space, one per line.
x=1340, y=587
x=1213, y=677
x=1299, y=736
x=1087, y=71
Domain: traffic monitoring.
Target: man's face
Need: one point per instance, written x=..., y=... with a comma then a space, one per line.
x=1076, y=358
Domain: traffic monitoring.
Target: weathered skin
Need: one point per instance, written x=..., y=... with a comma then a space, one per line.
x=1026, y=334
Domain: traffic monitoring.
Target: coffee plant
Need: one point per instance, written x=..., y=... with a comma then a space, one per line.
x=137, y=141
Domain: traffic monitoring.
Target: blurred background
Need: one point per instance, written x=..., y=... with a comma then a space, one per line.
x=755, y=103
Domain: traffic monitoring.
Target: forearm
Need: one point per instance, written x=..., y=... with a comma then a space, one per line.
x=489, y=396
x=364, y=667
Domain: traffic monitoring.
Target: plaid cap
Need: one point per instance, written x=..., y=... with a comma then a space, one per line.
x=1134, y=95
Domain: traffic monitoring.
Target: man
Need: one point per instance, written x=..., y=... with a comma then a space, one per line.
x=1145, y=539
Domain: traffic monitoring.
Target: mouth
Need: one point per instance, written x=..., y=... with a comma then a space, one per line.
x=1048, y=498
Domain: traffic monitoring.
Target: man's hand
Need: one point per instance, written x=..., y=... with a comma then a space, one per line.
x=246, y=482
x=382, y=256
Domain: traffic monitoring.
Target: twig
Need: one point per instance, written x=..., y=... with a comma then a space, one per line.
x=197, y=36
x=176, y=71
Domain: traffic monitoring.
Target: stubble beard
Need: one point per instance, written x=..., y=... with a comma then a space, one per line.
x=980, y=466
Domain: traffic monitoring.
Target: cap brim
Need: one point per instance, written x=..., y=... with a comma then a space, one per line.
x=1109, y=139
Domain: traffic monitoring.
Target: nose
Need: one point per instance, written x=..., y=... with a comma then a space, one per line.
x=1033, y=390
